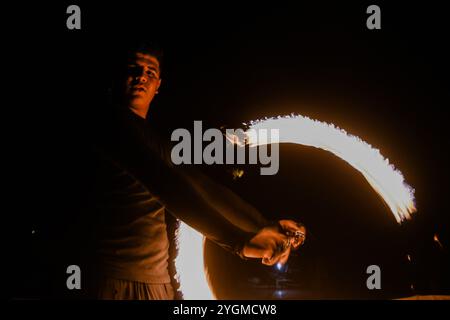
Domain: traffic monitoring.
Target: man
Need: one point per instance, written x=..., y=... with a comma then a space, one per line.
x=136, y=185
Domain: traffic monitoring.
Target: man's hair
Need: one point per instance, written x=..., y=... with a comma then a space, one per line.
x=146, y=47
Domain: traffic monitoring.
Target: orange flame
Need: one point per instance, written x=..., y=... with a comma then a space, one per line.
x=387, y=181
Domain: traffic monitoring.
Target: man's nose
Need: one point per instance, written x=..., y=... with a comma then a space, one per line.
x=140, y=78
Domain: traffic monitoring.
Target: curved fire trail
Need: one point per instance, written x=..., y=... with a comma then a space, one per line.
x=387, y=181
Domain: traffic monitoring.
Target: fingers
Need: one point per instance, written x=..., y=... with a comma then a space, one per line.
x=263, y=244
x=279, y=253
x=280, y=257
x=295, y=230
x=284, y=257
x=297, y=240
x=274, y=244
x=292, y=226
x=252, y=251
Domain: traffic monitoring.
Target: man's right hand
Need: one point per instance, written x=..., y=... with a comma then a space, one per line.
x=273, y=244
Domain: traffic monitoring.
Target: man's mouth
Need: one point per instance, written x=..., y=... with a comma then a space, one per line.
x=138, y=89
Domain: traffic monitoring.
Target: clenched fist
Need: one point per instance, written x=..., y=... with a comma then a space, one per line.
x=273, y=244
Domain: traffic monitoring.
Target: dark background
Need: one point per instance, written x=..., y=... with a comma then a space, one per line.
x=225, y=64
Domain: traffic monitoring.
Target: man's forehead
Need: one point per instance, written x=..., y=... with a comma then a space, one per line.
x=146, y=59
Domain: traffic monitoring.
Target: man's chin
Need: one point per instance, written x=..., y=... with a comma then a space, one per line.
x=137, y=94
x=138, y=103
x=137, y=99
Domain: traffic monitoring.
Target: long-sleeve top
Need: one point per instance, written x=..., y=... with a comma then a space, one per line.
x=136, y=184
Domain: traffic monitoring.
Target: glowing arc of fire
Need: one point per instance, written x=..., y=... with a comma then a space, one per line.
x=383, y=177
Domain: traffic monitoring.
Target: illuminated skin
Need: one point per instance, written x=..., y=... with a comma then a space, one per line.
x=270, y=244
x=142, y=84
x=273, y=246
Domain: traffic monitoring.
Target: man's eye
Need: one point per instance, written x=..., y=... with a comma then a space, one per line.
x=151, y=74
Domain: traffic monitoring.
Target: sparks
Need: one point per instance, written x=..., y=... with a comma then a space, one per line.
x=384, y=178
x=436, y=239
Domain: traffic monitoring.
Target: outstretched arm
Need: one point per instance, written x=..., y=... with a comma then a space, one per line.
x=194, y=198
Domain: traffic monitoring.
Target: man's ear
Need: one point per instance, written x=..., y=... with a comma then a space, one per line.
x=159, y=84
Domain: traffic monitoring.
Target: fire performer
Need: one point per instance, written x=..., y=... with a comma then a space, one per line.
x=136, y=184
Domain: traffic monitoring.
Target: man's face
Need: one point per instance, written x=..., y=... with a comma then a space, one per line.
x=142, y=82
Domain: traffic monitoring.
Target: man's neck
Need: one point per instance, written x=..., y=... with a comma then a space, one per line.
x=139, y=112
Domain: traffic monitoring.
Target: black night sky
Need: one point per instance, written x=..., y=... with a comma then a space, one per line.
x=226, y=64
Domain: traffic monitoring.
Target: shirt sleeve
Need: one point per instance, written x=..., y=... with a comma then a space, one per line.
x=211, y=209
